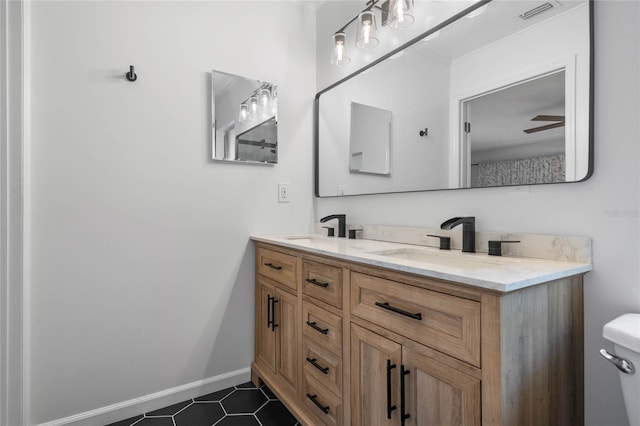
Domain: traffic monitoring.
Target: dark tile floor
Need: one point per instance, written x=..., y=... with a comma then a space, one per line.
x=242, y=405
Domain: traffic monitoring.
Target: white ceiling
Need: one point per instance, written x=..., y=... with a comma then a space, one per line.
x=511, y=111
x=497, y=23
x=505, y=109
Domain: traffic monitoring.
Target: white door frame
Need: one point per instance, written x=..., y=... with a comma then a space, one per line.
x=13, y=95
x=459, y=149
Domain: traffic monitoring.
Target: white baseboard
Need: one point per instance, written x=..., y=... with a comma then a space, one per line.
x=124, y=410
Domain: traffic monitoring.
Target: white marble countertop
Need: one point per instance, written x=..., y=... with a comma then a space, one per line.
x=498, y=273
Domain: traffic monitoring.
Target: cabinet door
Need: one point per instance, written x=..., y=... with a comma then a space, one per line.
x=286, y=318
x=265, y=336
x=375, y=379
x=437, y=394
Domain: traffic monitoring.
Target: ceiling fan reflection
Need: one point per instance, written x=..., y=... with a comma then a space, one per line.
x=559, y=122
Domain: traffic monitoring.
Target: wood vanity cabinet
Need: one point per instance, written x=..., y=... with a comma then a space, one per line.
x=276, y=335
x=361, y=345
x=418, y=385
x=412, y=386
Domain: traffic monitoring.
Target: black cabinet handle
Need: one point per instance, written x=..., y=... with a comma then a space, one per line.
x=387, y=306
x=315, y=327
x=390, y=407
x=403, y=415
x=269, y=306
x=313, y=362
x=315, y=401
x=272, y=266
x=318, y=283
x=273, y=313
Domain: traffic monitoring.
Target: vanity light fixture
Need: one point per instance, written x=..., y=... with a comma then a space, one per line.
x=367, y=34
x=399, y=16
x=394, y=14
x=340, y=54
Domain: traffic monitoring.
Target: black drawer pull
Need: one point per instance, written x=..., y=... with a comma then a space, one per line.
x=313, y=362
x=315, y=327
x=269, y=307
x=403, y=414
x=390, y=406
x=386, y=305
x=273, y=314
x=272, y=266
x=315, y=401
x=318, y=283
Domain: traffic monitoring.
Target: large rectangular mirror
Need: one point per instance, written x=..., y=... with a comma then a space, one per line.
x=503, y=98
x=245, y=119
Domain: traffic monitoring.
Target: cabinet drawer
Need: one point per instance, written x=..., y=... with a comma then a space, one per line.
x=277, y=266
x=324, y=282
x=322, y=327
x=324, y=404
x=322, y=365
x=447, y=323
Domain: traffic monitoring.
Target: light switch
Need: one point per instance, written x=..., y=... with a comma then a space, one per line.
x=283, y=192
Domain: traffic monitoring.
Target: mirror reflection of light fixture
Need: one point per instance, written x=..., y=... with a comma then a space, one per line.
x=399, y=16
x=253, y=105
x=367, y=33
x=265, y=98
x=340, y=55
x=274, y=99
x=244, y=112
x=263, y=102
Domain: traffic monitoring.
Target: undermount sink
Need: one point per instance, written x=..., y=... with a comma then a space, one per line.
x=307, y=239
x=457, y=260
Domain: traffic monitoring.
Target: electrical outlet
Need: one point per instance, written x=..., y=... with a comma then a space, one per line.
x=341, y=189
x=283, y=192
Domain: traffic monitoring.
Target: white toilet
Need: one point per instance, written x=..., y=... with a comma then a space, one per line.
x=624, y=332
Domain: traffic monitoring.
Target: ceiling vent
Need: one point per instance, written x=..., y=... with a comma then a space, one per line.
x=536, y=11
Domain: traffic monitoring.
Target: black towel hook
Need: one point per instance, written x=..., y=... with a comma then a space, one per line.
x=131, y=75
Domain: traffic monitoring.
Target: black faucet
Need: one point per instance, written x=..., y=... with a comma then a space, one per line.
x=468, y=231
x=342, y=223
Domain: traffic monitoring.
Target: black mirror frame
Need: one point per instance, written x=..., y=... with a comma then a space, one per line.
x=316, y=105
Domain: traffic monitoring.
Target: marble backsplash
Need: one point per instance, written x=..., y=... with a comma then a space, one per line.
x=538, y=246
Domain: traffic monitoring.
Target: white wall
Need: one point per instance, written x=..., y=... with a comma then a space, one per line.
x=606, y=207
x=142, y=271
x=142, y=268
x=413, y=109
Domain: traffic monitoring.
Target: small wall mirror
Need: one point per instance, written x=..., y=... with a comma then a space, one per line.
x=496, y=98
x=370, y=141
x=245, y=119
